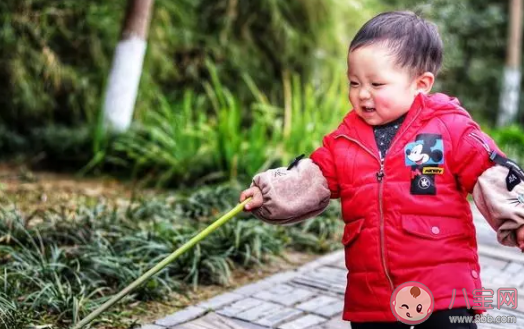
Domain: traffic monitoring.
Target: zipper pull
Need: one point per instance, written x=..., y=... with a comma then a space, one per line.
x=380, y=174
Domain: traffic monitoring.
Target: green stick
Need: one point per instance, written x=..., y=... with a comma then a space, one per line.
x=222, y=220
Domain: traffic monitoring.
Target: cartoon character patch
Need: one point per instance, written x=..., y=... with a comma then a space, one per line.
x=425, y=156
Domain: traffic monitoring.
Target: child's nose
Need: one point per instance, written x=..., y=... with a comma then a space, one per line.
x=364, y=93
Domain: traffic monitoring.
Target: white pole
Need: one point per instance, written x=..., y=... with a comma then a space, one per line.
x=124, y=78
x=509, y=98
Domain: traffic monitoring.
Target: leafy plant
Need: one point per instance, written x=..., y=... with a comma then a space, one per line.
x=58, y=269
x=510, y=139
x=56, y=55
x=11, y=316
x=183, y=143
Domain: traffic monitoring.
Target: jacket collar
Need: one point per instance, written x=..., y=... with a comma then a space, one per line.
x=356, y=128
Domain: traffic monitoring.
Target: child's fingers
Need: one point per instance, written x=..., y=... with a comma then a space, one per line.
x=256, y=195
x=246, y=194
x=257, y=199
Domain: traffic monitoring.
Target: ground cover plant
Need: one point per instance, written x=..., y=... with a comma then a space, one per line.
x=59, y=265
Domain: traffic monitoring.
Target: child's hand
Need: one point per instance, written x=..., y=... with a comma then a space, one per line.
x=257, y=200
x=520, y=238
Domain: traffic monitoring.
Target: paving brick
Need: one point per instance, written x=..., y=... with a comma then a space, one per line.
x=517, y=280
x=303, y=322
x=239, y=306
x=279, y=317
x=211, y=321
x=334, y=257
x=261, y=310
x=284, y=294
x=313, y=283
x=503, y=278
x=330, y=274
x=281, y=277
x=247, y=325
x=336, y=323
x=320, y=284
x=253, y=288
x=341, y=265
x=325, y=278
x=331, y=309
x=221, y=300
x=489, y=273
x=514, y=268
x=185, y=315
x=315, y=303
x=492, y=262
x=501, y=252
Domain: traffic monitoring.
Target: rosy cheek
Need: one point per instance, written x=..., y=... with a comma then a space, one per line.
x=382, y=100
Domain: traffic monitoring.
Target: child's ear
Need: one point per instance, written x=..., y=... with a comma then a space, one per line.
x=425, y=82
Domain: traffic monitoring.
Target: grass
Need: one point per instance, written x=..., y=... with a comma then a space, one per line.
x=57, y=268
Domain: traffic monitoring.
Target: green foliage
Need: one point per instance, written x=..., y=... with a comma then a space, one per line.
x=50, y=146
x=52, y=56
x=260, y=38
x=60, y=269
x=510, y=140
x=184, y=144
x=10, y=315
x=195, y=112
x=56, y=54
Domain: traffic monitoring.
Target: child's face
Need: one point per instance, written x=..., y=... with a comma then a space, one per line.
x=380, y=91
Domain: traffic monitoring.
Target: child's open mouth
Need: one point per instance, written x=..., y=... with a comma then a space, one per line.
x=368, y=109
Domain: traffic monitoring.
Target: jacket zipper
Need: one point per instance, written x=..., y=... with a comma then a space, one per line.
x=380, y=177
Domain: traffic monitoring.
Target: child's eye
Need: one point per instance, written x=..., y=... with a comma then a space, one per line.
x=377, y=84
x=353, y=83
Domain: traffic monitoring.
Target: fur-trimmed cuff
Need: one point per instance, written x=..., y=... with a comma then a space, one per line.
x=499, y=195
x=292, y=194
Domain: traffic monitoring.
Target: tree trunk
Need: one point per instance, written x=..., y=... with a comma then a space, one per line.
x=127, y=64
x=509, y=99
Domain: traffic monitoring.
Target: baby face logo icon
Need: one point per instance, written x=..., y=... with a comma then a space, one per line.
x=412, y=303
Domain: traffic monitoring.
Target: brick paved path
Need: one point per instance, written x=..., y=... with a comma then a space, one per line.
x=312, y=296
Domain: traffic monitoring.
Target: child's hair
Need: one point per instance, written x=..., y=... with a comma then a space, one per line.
x=414, y=41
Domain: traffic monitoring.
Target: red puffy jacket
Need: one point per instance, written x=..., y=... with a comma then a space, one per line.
x=407, y=218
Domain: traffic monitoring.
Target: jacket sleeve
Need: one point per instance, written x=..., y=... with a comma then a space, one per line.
x=323, y=157
x=471, y=155
x=292, y=194
x=502, y=206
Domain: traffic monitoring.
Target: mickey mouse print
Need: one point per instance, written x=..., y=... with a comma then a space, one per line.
x=425, y=156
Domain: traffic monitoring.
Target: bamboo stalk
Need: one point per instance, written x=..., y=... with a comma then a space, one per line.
x=222, y=220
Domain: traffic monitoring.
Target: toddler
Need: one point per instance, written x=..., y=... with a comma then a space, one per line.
x=402, y=162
